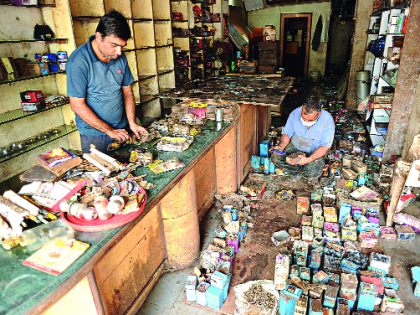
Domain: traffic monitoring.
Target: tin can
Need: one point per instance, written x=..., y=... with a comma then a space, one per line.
x=62, y=55
x=219, y=114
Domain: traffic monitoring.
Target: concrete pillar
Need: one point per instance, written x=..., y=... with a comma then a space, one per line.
x=363, y=12
x=405, y=90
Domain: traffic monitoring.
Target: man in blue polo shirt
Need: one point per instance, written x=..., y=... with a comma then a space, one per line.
x=99, y=85
x=309, y=129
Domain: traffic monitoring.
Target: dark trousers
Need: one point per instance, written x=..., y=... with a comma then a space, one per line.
x=311, y=170
x=101, y=142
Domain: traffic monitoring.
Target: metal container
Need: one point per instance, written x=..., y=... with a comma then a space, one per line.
x=362, y=85
x=219, y=114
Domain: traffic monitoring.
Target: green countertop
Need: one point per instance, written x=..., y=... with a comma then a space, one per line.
x=22, y=287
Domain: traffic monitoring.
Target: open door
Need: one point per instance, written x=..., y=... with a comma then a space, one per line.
x=295, y=38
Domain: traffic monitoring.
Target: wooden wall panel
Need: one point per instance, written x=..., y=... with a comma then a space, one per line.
x=226, y=168
x=205, y=178
x=248, y=138
x=67, y=306
x=124, y=271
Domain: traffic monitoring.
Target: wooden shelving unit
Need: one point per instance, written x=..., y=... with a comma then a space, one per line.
x=380, y=25
x=16, y=125
x=191, y=59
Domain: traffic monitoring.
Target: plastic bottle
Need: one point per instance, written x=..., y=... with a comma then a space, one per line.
x=400, y=23
x=407, y=11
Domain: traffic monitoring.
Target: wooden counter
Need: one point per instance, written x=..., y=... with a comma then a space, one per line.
x=119, y=270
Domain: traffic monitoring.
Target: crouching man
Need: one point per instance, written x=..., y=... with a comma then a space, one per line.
x=310, y=130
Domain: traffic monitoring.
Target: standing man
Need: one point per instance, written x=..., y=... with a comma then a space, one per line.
x=309, y=129
x=99, y=85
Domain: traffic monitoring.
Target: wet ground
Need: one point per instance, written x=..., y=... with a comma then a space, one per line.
x=256, y=257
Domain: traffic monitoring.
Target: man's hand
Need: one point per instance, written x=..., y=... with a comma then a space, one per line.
x=303, y=160
x=118, y=134
x=277, y=147
x=138, y=130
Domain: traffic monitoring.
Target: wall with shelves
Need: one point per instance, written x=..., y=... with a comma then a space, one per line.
x=381, y=25
x=189, y=56
x=18, y=24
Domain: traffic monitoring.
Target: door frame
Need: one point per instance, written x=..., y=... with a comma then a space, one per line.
x=308, y=37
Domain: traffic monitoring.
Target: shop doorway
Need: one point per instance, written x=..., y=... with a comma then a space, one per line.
x=295, y=37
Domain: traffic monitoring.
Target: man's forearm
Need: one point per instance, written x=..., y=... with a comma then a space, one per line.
x=129, y=104
x=318, y=153
x=284, y=141
x=80, y=107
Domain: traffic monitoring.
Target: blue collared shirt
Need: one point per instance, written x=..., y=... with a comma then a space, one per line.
x=308, y=140
x=100, y=84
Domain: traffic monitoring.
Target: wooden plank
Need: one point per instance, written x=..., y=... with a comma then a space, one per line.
x=261, y=75
x=120, y=251
x=87, y=8
x=124, y=284
x=248, y=138
x=143, y=295
x=67, y=306
x=205, y=178
x=226, y=163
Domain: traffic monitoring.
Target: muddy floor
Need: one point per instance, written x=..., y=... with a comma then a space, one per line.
x=256, y=258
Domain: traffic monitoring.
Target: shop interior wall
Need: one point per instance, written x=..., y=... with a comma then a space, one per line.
x=18, y=24
x=339, y=45
x=272, y=16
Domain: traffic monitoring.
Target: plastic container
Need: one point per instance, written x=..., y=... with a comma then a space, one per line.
x=41, y=235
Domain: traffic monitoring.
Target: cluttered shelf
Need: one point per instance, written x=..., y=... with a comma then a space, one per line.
x=45, y=138
x=19, y=113
x=25, y=295
x=48, y=41
x=29, y=77
x=165, y=71
x=146, y=76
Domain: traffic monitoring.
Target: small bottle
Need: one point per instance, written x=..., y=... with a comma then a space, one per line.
x=400, y=23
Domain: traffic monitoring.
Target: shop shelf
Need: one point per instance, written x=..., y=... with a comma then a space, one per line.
x=65, y=130
x=29, y=78
x=19, y=114
x=48, y=41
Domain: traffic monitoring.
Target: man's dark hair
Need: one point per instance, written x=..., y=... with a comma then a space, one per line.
x=114, y=23
x=312, y=104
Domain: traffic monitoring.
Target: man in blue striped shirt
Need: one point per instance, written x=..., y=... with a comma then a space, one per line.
x=309, y=129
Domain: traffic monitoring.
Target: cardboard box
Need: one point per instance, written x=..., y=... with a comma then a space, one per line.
x=293, y=292
x=214, y=298
x=305, y=273
x=302, y=205
x=301, y=305
x=34, y=69
x=31, y=96
x=281, y=272
x=201, y=293
x=287, y=304
x=315, y=307
x=367, y=296
x=8, y=69
x=22, y=67
x=32, y=106
x=405, y=232
x=190, y=286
